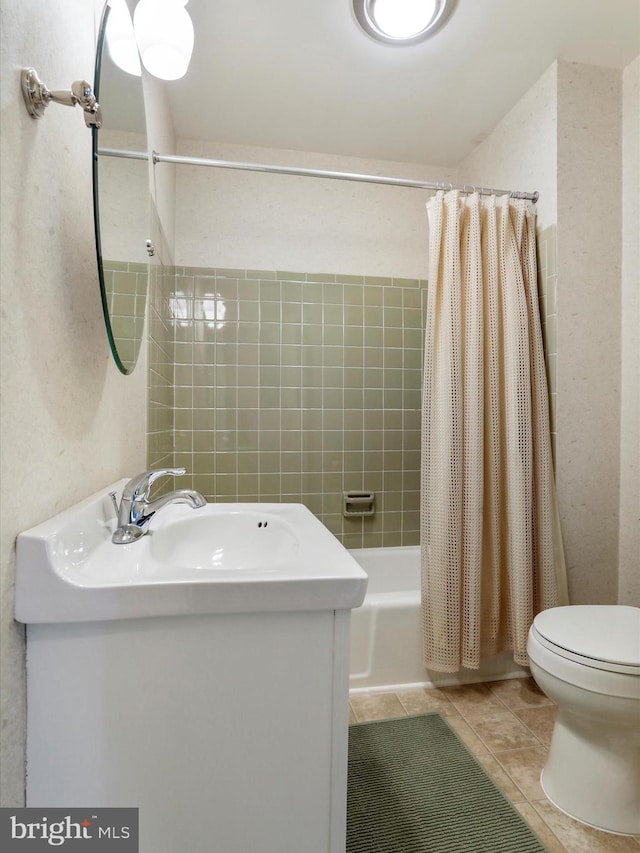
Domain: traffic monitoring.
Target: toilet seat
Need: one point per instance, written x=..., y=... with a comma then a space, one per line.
x=604, y=637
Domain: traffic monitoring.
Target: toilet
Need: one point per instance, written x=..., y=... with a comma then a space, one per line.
x=586, y=658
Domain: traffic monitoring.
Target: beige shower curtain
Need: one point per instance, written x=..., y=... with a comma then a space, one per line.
x=491, y=548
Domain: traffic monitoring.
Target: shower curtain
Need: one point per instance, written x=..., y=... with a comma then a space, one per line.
x=490, y=538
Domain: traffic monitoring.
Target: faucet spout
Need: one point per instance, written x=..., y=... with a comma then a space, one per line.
x=137, y=509
x=180, y=496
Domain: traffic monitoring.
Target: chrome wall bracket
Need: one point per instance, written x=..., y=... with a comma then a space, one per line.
x=37, y=97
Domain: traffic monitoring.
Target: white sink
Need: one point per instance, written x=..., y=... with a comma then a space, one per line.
x=222, y=558
x=234, y=538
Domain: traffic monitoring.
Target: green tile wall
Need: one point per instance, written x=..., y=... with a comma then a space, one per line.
x=125, y=287
x=297, y=387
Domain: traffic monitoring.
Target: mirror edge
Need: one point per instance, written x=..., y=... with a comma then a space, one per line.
x=96, y=205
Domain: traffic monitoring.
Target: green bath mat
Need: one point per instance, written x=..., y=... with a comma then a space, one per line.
x=414, y=787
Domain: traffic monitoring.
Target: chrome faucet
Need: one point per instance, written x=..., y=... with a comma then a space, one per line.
x=136, y=509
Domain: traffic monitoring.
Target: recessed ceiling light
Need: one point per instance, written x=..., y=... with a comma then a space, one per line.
x=399, y=21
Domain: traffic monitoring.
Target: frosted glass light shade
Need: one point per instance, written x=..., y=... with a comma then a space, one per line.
x=401, y=22
x=121, y=40
x=403, y=18
x=164, y=33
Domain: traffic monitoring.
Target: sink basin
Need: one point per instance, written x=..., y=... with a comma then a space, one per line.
x=222, y=558
x=235, y=539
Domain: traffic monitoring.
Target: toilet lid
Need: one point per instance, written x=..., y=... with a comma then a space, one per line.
x=602, y=636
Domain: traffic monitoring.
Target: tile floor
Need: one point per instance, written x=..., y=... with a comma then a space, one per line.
x=507, y=725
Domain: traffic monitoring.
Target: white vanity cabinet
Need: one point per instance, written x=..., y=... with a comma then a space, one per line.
x=212, y=698
x=228, y=732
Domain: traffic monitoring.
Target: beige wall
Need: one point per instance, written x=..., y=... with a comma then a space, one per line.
x=520, y=153
x=629, y=581
x=71, y=424
x=589, y=255
x=274, y=222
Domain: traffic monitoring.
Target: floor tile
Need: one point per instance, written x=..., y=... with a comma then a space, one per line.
x=502, y=780
x=376, y=706
x=473, y=700
x=524, y=767
x=578, y=838
x=466, y=734
x=422, y=701
x=540, y=721
x=519, y=693
x=544, y=833
x=501, y=731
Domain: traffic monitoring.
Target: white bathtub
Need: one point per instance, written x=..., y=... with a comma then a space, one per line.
x=386, y=632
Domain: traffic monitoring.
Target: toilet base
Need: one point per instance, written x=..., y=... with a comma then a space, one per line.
x=585, y=822
x=593, y=773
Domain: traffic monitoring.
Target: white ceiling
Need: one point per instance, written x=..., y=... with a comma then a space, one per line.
x=301, y=74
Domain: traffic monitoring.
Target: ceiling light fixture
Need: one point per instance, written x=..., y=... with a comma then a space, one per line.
x=121, y=40
x=164, y=33
x=399, y=21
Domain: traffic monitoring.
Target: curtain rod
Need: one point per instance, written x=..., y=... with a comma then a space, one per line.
x=313, y=173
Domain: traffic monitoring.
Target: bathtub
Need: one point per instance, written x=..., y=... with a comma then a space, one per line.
x=386, y=631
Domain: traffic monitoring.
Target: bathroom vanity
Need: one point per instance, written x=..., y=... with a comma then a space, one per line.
x=208, y=687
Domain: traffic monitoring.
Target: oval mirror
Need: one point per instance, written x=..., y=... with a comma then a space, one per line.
x=120, y=192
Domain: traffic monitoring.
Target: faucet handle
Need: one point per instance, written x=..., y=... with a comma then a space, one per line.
x=165, y=472
x=141, y=484
x=114, y=500
x=151, y=476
